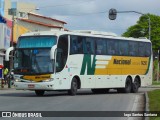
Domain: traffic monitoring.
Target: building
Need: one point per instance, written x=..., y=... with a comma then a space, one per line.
x=26, y=19
x=22, y=8
x=36, y=22
x=5, y=36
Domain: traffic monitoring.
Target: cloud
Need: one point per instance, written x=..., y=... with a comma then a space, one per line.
x=87, y=14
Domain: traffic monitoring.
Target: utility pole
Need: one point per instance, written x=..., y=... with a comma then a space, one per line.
x=158, y=66
x=13, y=12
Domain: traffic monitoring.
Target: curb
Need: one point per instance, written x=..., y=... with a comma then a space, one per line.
x=146, y=104
x=2, y=89
x=151, y=87
x=5, y=87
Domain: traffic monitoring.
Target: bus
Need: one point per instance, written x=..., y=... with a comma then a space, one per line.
x=73, y=60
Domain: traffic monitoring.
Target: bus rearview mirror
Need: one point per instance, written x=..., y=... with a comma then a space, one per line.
x=53, y=52
x=8, y=52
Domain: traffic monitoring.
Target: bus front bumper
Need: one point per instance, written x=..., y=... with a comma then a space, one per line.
x=34, y=86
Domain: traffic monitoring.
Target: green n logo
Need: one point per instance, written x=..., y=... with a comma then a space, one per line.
x=87, y=63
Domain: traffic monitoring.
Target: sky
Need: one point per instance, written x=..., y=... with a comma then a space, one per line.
x=93, y=14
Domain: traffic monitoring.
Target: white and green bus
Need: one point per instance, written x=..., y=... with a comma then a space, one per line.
x=64, y=60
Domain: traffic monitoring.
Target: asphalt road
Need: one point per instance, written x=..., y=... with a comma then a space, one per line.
x=18, y=100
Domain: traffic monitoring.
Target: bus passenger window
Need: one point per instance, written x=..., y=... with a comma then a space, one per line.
x=88, y=45
x=112, y=46
x=123, y=48
x=76, y=45
x=100, y=47
x=133, y=48
x=147, y=49
x=141, y=49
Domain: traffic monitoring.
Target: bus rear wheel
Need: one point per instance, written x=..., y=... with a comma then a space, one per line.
x=135, y=86
x=74, y=87
x=39, y=92
x=128, y=87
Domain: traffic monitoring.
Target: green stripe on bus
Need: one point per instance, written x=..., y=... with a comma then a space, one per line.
x=87, y=63
x=148, y=65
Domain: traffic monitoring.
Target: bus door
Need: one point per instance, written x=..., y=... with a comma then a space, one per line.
x=62, y=75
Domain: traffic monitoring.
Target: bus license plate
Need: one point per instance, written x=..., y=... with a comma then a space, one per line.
x=31, y=86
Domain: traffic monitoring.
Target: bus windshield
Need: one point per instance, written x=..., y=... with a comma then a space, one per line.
x=32, y=55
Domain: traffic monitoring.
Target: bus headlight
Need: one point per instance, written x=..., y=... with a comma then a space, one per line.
x=48, y=80
x=17, y=80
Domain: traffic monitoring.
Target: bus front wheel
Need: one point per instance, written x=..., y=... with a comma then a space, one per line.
x=39, y=92
x=74, y=87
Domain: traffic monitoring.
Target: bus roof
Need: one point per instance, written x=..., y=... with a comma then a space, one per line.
x=86, y=33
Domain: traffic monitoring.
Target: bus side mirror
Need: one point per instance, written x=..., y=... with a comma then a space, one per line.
x=53, y=52
x=8, y=52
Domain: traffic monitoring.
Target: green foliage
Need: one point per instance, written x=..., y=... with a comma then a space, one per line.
x=155, y=83
x=155, y=68
x=155, y=64
x=154, y=104
x=154, y=98
x=141, y=29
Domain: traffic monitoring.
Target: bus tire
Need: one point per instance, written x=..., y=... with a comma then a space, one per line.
x=39, y=92
x=128, y=85
x=135, y=86
x=74, y=87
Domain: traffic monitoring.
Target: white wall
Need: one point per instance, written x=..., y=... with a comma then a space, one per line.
x=21, y=7
x=5, y=34
x=36, y=27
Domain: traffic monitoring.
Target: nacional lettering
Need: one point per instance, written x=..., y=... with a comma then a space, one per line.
x=122, y=62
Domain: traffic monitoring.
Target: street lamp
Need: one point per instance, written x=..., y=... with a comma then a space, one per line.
x=113, y=14
x=29, y=12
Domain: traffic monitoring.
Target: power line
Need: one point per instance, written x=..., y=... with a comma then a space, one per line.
x=91, y=13
x=76, y=14
x=67, y=4
x=60, y=5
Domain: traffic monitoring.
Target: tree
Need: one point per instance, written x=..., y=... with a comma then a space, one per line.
x=141, y=29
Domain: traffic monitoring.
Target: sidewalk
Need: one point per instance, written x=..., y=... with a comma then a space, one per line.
x=152, y=86
x=5, y=87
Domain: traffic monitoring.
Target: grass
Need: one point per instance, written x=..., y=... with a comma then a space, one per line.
x=155, y=83
x=154, y=102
